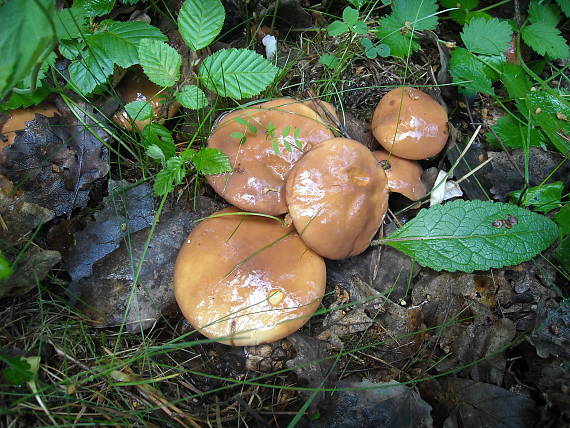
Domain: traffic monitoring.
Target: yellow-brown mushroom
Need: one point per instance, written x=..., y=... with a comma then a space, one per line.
x=404, y=175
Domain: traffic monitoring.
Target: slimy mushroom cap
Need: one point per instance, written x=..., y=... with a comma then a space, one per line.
x=404, y=175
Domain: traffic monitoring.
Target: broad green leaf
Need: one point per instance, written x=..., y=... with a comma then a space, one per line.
x=562, y=252
x=465, y=7
x=350, y=15
x=26, y=100
x=209, y=161
x=468, y=72
x=389, y=32
x=518, y=85
x=120, y=40
x=563, y=219
x=44, y=67
x=542, y=199
x=552, y=114
x=89, y=72
x=139, y=110
x=192, y=97
x=359, y=28
x=156, y=153
x=95, y=7
x=170, y=176
x=565, y=6
x=471, y=235
x=18, y=372
x=160, y=62
x=26, y=38
x=70, y=23
x=419, y=13
x=71, y=49
x=5, y=268
x=336, y=28
x=514, y=134
x=545, y=13
x=237, y=73
x=329, y=60
x=545, y=39
x=200, y=21
x=487, y=36
x=158, y=135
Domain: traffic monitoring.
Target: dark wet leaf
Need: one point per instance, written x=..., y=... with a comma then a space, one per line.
x=125, y=211
x=382, y=405
x=552, y=330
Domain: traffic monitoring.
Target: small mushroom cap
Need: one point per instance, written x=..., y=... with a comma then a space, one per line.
x=135, y=86
x=422, y=129
x=404, y=175
x=337, y=198
x=246, y=280
x=257, y=181
x=17, y=121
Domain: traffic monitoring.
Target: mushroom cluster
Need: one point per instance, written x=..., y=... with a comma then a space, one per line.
x=242, y=278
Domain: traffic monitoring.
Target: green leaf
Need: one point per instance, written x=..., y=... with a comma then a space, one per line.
x=545, y=39
x=70, y=23
x=71, y=49
x=336, y=28
x=237, y=73
x=329, y=60
x=565, y=6
x=462, y=235
x=26, y=100
x=545, y=13
x=562, y=252
x=518, y=85
x=192, y=97
x=421, y=14
x=156, y=153
x=18, y=372
x=514, y=134
x=89, y=72
x=139, y=110
x=5, y=268
x=95, y=7
x=350, y=15
x=160, y=62
x=158, y=135
x=543, y=199
x=389, y=32
x=210, y=161
x=26, y=38
x=357, y=3
x=464, y=66
x=200, y=21
x=552, y=114
x=170, y=176
x=461, y=14
x=487, y=36
x=563, y=219
x=120, y=41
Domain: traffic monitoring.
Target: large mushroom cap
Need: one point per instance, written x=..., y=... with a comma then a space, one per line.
x=337, y=197
x=258, y=178
x=404, y=175
x=17, y=119
x=246, y=280
x=420, y=132
x=135, y=86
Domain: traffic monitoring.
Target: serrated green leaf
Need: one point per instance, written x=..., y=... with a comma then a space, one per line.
x=459, y=15
x=420, y=14
x=565, y=6
x=210, y=161
x=120, y=40
x=26, y=100
x=95, y=7
x=543, y=199
x=18, y=372
x=5, y=267
x=139, y=110
x=89, y=72
x=329, y=60
x=390, y=33
x=350, y=15
x=156, y=153
x=170, y=176
x=487, y=36
x=518, y=85
x=466, y=236
x=545, y=39
x=71, y=49
x=70, y=23
x=359, y=28
x=200, y=21
x=514, y=134
x=237, y=73
x=468, y=72
x=192, y=97
x=563, y=219
x=336, y=28
x=545, y=13
x=158, y=135
x=549, y=111
x=160, y=62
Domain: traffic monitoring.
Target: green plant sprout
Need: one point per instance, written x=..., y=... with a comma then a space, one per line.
x=285, y=138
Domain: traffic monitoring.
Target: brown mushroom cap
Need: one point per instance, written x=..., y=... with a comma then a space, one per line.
x=17, y=121
x=135, y=86
x=421, y=131
x=234, y=286
x=337, y=197
x=258, y=178
x=404, y=175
